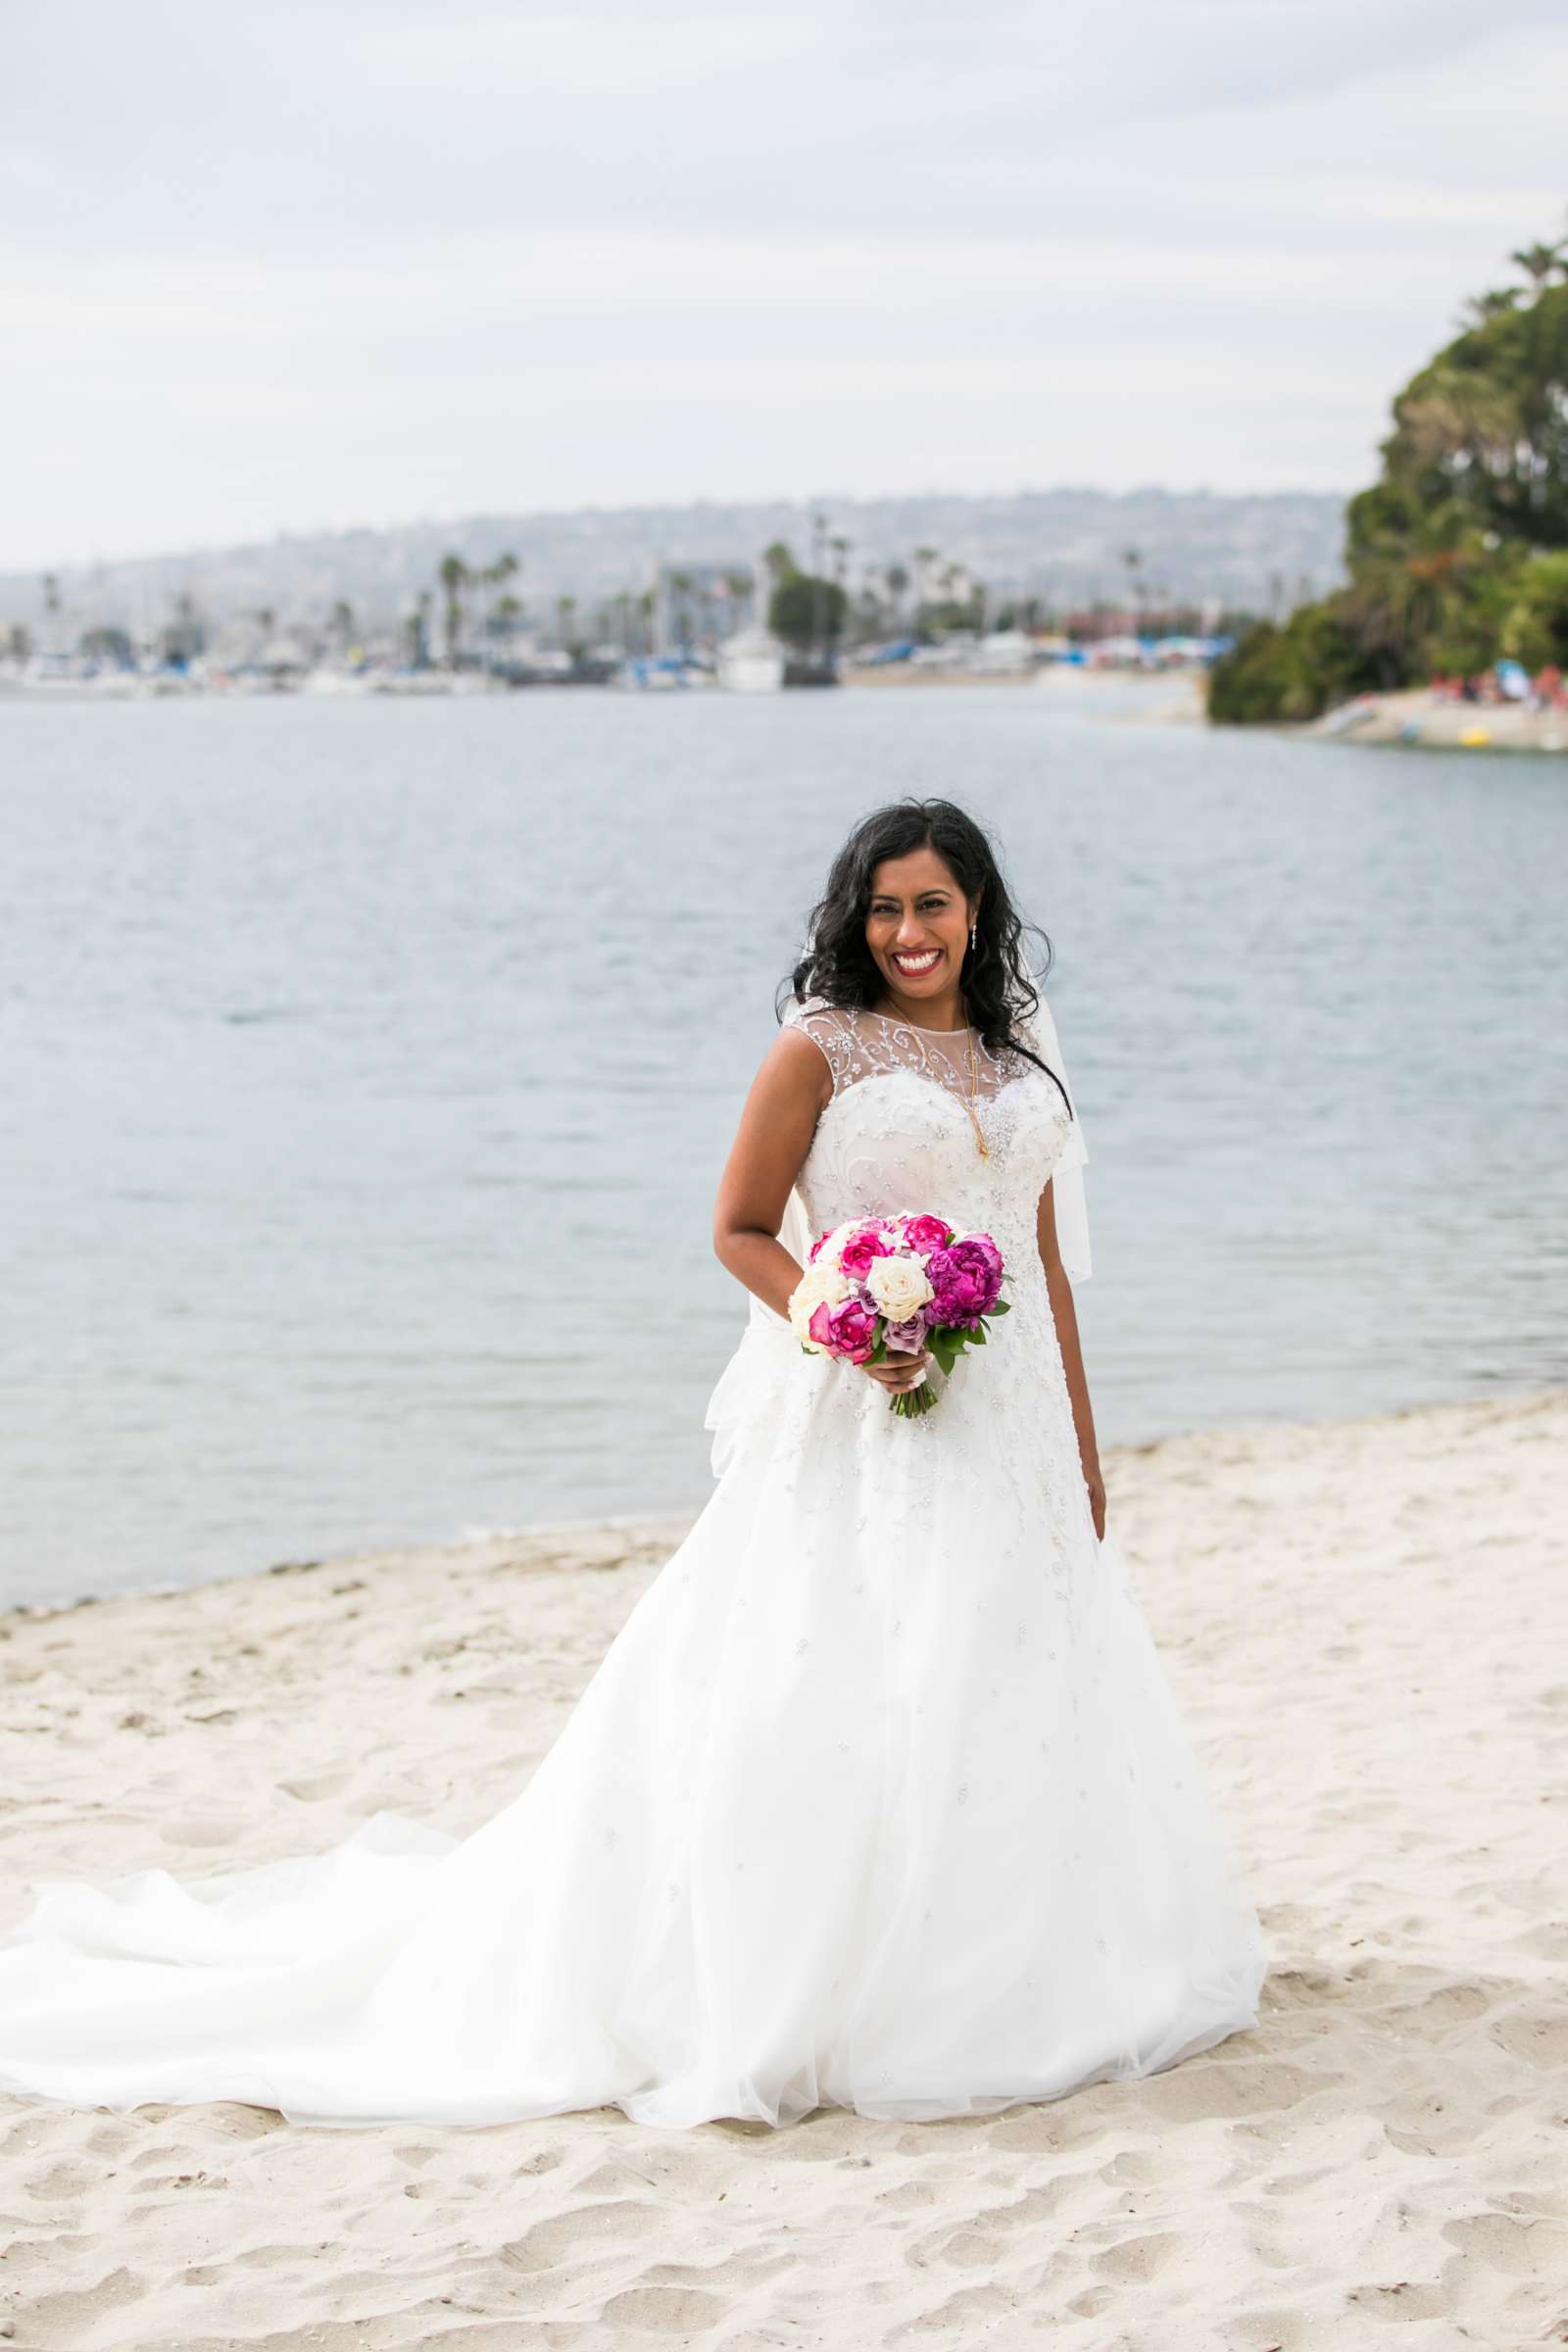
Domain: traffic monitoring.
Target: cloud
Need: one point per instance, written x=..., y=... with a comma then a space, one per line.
x=259, y=262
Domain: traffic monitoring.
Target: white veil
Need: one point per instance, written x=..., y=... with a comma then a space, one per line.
x=1067, y=1181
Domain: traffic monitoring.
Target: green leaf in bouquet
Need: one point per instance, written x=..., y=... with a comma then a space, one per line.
x=1001, y=1308
x=977, y=1337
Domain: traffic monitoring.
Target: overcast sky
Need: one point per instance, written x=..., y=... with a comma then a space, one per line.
x=281, y=267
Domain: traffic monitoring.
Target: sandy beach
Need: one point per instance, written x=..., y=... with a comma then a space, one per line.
x=1361, y=1622
x=1416, y=716
x=1149, y=696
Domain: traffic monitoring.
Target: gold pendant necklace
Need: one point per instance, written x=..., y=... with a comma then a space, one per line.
x=973, y=1106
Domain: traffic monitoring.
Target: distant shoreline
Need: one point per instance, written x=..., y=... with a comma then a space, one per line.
x=1181, y=702
x=1416, y=718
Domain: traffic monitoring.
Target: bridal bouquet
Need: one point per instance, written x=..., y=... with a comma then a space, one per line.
x=891, y=1286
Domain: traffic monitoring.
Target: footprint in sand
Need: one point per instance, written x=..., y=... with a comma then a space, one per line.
x=666, y=2310
x=201, y=1829
x=1526, y=2246
x=565, y=2235
x=314, y=1789
x=1137, y=2260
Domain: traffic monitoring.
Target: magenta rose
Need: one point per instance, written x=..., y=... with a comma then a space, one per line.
x=855, y=1259
x=925, y=1234
x=966, y=1278
x=816, y=1245
x=852, y=1329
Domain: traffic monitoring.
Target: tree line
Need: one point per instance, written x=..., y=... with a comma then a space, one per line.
x=1458, y=554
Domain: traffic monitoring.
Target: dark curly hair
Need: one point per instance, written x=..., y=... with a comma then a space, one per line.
x=999, y=986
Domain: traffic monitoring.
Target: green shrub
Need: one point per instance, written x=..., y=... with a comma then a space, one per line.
x=1287, y=675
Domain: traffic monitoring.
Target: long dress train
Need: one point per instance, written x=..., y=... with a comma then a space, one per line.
x=880, y=1797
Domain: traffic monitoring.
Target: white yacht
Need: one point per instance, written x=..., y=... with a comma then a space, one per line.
x=751, y=662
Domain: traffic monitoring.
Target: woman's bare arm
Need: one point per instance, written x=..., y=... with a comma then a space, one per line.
x=1060, y=1284
x=788, y=1096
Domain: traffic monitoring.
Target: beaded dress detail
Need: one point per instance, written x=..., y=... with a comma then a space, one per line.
x=880, y=1797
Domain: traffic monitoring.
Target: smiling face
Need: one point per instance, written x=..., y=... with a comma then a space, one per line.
x=918, y=928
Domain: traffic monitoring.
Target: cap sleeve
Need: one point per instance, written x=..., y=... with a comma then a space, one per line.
x=828, y=1030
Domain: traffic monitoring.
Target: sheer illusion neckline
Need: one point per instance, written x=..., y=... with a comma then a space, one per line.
x=859, y=1043
x=899, y=1022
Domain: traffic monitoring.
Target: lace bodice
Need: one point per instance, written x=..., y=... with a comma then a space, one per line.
x=898, y=1131
x=896, y=1134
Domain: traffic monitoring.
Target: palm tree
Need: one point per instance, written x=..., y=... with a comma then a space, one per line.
x=493, y=575
x=1481, y=308
x=565, y=607
x=925, y=563
x=1130, y=556
x=453, y=576
x=343, y=623
x=1540, y=262
x=681, y=586
x=739, y=588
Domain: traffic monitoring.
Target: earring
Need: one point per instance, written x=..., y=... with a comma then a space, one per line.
x=974, y=928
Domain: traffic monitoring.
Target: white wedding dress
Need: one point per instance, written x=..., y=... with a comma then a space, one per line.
x=879, y=1799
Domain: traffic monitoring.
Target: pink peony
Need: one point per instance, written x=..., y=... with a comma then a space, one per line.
x=966, y=1278
x=855, y=1259
x=924, y=1234
x=852, y=1329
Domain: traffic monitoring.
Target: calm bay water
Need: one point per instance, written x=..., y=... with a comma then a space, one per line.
x=367, y=1069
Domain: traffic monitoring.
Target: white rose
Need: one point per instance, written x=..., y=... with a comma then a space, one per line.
x=821, y=1285
x=900, y=1285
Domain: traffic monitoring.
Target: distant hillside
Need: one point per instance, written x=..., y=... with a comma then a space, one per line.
x=1262, y=553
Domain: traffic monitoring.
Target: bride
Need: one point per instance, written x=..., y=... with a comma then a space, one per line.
x=879, y=1799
